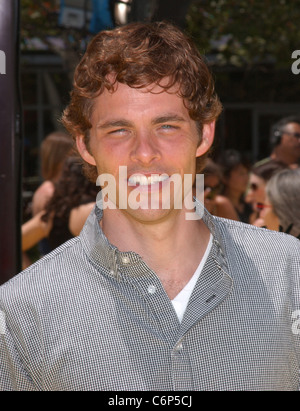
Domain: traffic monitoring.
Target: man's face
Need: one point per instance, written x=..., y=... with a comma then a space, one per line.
x=290, y=142
x=151, y=133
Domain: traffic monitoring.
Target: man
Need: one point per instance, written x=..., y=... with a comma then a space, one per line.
x=285, y=142
x=147, y=298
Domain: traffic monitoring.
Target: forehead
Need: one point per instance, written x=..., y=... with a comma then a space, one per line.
x=240, y=169
x=125, y=100
x=256, y=179
x=292, y=127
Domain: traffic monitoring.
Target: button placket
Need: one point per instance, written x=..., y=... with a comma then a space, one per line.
x=181, y=368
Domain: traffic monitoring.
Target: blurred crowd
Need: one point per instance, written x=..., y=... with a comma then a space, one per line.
x=62, y=203
x=264, y=194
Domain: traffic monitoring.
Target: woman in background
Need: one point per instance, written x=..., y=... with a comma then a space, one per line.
x=54, y=150
x=215, y=203
x=281, y=211
x=256, y=193
x=65, y=213
x=235, y=177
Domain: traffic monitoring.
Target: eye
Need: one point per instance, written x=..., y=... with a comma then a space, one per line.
x=118, y=131
x=169, y=127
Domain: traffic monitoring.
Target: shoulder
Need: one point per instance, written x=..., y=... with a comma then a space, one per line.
x=222, y=200
x=258, y=240
x=48, y=276
x=225, y=208
x=46, y=188
x=41, y=196
x=262, y=260
x=262, y=161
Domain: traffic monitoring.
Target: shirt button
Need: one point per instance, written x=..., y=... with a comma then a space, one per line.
x=151, y=289
x=179, y=347
x=125, y=260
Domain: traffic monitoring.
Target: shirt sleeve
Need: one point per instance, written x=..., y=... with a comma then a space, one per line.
x=295, y=270
x=13, y=376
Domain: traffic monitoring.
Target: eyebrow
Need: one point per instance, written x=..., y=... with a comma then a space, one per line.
x=125, y=123
x=114, y=123
x=168, y=118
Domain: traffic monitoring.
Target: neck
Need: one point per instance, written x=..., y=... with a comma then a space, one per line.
x=171, y=247
x=282, y=157
x=233, y=195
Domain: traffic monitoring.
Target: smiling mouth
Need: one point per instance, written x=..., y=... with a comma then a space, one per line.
x=142, y=180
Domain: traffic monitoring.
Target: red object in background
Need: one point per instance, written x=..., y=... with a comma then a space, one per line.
x=10, y=142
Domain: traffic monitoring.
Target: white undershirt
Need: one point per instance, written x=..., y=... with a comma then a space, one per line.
x=181, y=300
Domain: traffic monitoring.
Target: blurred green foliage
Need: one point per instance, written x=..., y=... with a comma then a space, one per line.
x=249, y=43
x=231, y=32
x=246, y=32
x=39, y=18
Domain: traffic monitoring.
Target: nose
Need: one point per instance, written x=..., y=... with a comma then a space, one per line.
x=249, y=198
x=145, y=149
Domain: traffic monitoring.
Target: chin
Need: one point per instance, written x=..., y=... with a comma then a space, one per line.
x=150, y=216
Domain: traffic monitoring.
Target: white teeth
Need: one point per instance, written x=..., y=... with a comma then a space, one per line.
x=138, y=179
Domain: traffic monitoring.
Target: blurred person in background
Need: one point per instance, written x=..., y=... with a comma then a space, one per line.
x=235, y=178
x=215, y=203
x=54, y=150
x=256, y=193
x=285, y=142
x=72, y=201
x=281, y=210
x=65, y=213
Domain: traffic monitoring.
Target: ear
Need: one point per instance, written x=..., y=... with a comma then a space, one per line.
x=208, y=134
x=83, y=151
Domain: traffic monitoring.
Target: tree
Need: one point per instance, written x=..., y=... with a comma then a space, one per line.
x=244, y=33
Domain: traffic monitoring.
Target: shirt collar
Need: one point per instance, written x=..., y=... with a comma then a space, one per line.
x=101, y=252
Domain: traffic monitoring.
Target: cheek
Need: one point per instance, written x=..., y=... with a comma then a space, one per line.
x=236, y=181
x=107, y=157
x=244, y=183
x=260, y=195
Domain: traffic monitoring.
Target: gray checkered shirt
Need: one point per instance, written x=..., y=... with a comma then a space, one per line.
x=88, y=317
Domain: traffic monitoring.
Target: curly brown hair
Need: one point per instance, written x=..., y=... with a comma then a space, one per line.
x=71, y=190
x=139, y=55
